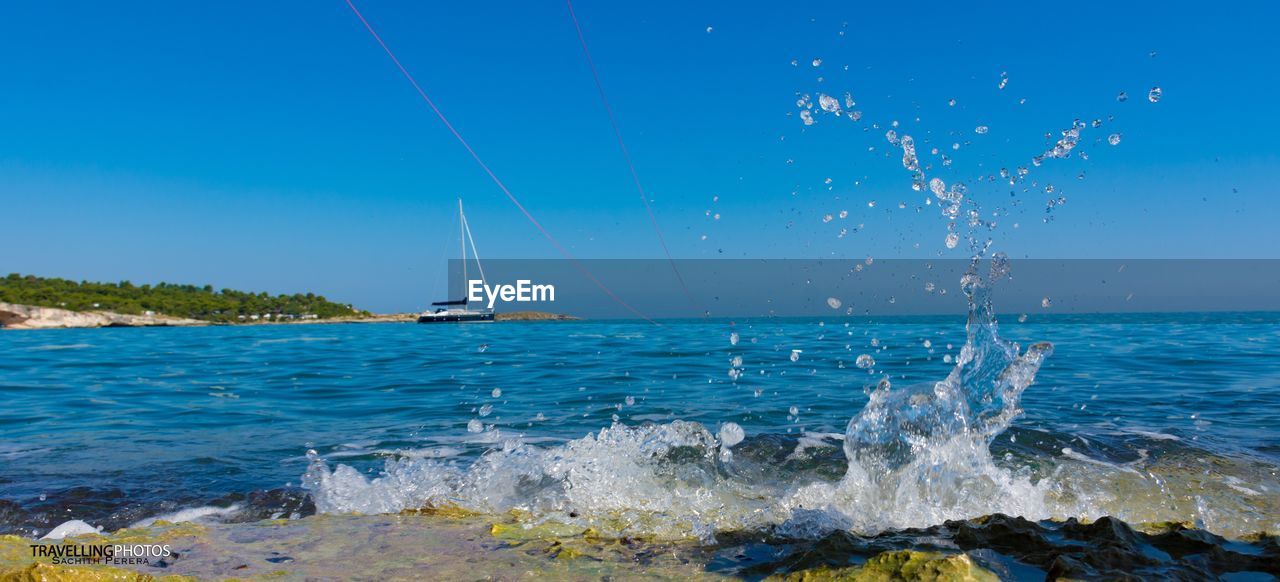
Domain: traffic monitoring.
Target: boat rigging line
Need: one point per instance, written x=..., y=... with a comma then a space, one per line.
x=445, y=120
x=626, y=154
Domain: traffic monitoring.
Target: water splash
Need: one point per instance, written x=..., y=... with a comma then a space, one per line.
x=920, y=455
x=916, y=456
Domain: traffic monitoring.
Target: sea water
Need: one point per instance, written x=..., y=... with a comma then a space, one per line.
x=680, y=430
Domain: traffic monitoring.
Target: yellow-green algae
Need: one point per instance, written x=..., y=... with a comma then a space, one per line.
x=18, y=564
x=900, y=565
x=44, y=572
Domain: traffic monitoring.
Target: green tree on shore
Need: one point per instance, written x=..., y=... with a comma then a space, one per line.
x=190, y=301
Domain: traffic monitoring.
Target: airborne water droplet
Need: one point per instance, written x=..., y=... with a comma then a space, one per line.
x=486, y=410
x=497, y=393
x=630, y=400
x=833, y=303
x=795, y=355
x=828, y=103
x=865, y=361
x=731, y=434
x=981, y=129
x=1114, y=139
x=1154, y=95
x=474, y=425
x=733, y=338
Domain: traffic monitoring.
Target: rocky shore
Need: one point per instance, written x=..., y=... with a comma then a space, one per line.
x=14, y=316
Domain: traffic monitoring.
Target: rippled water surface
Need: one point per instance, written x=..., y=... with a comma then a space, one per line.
x=118, y=425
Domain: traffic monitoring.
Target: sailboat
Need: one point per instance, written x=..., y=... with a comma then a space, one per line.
x=456, y=310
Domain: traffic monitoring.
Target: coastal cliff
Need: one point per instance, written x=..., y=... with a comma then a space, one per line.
x=14, y=316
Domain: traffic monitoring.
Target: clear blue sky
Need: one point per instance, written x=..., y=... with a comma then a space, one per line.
x=273, y=146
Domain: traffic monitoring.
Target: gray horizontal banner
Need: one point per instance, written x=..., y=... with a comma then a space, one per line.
x=747, y=288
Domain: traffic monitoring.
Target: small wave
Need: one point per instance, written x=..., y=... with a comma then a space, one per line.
x=71, y=528
x=287, y=340
x=203, y=513
x=1155, y=436
x=59, y=347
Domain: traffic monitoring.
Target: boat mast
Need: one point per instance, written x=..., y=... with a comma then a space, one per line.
x=462, y=242
x=474, y=253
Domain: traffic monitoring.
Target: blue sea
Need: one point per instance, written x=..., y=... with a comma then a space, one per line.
x=1147, y=417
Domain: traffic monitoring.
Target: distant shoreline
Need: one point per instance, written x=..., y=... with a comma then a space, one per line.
x=26, y=317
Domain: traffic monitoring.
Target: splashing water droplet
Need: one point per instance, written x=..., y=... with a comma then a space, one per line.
x=828, y=103
x=474, y=425
x=733, y=338
x=630, y=400
x=1122, y=97
x=817, y=62
x=731, y=434
x=795, y=355
x=795, y=411
x=497, y=393
x=981, y=130
x=1046, y=303
x=1114, y=139
x=865, y=361
x=833, y=303
x=486, y=410
x=1154, y=95
x=952, y=240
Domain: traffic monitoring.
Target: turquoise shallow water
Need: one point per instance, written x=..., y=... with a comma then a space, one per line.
x=116, y=425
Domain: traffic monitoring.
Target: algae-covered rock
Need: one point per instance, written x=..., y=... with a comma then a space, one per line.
x=519, y=532
x=447, y=511
x=42, y=572
x=901, y=565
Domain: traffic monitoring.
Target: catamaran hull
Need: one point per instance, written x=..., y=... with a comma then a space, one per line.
x=456, y=318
